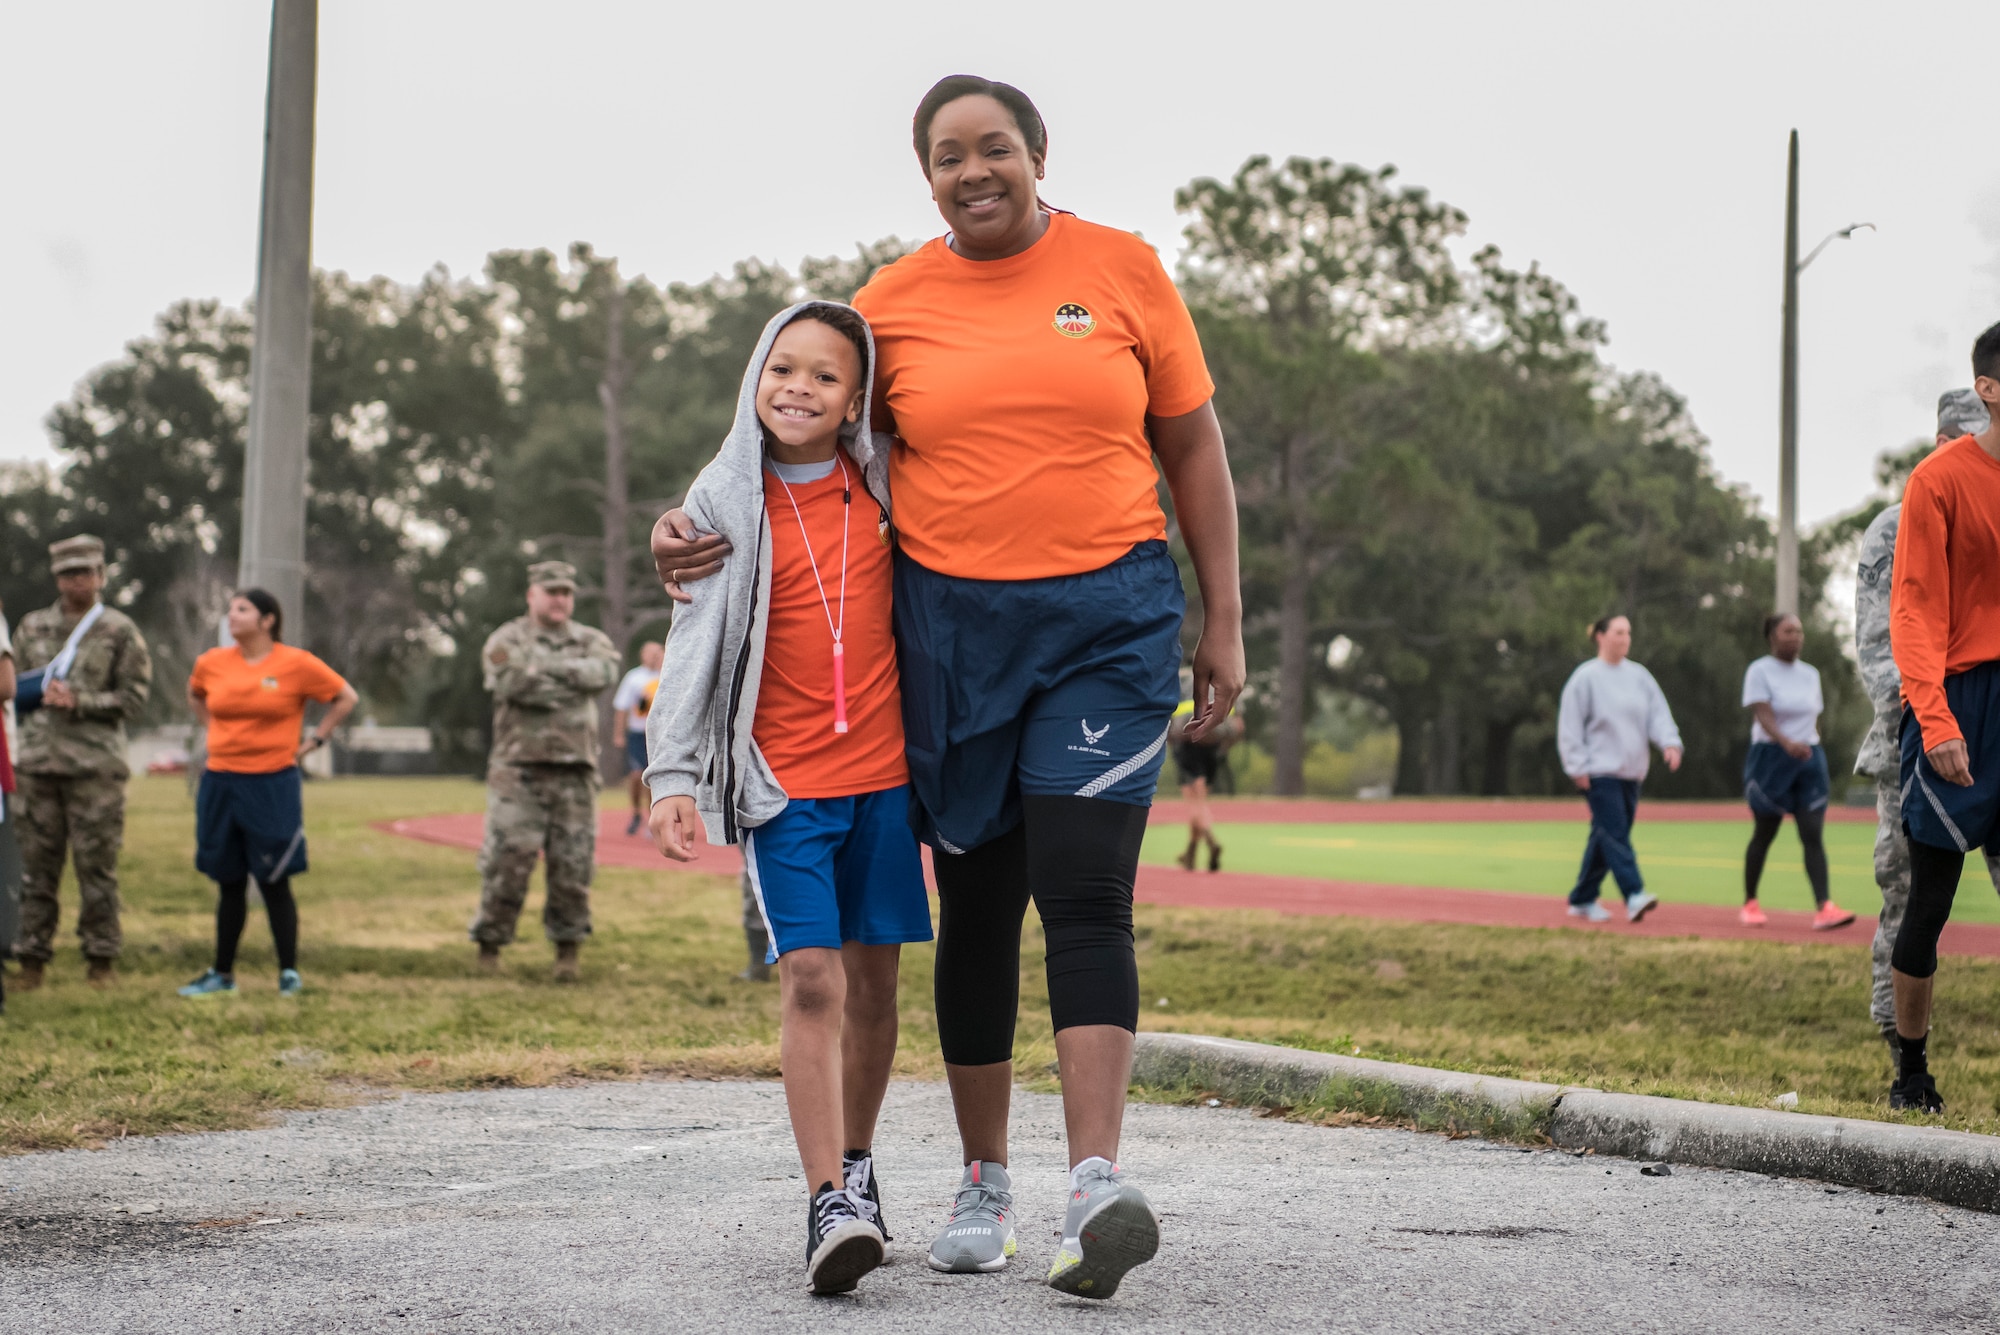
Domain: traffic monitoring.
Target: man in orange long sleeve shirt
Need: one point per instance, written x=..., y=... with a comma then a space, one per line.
x=1944, y=630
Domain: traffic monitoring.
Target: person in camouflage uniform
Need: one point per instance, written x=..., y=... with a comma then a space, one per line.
x=70, y=785
x=545, y=672
x=1959, y=411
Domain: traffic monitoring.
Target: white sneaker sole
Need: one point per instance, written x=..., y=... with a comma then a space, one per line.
x=844, y=1256
x=965, y=1265
x=1116, y=1236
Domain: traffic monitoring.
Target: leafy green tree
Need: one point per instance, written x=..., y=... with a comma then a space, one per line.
x=1299, y=274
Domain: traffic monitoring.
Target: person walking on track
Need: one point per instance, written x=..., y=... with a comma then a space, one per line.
x=1944, y=629
x=85, y=673
x=1960, y=413
x=1196, y=765
x=629, y=703
x=1611, y=709
x=1032, y=367
x=10, y=849
x=249, y=816
x=1784, y=772
x=546, y=673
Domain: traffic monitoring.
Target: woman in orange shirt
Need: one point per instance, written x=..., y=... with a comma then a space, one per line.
x=249, y=820
x=1033, y=369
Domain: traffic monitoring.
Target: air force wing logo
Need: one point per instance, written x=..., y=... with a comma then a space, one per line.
x=1073, y=321
x=1093, y=738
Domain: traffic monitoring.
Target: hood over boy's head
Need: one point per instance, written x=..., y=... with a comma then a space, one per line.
x=813, y=382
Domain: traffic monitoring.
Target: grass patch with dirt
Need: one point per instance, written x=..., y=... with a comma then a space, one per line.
x=393, y=1000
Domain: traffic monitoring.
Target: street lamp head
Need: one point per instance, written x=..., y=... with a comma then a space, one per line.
x=1831, y=237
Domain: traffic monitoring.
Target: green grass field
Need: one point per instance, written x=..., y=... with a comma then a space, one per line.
x=1692, y=862
x=394, y=1002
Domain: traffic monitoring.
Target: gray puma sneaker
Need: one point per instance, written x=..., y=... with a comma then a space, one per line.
x=1109, y=1228
x=979, y=1236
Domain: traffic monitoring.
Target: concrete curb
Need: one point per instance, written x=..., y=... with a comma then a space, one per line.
x=1955, y=1167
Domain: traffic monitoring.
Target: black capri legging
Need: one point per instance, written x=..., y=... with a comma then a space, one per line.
x=1076, y=857
x=1934, y=874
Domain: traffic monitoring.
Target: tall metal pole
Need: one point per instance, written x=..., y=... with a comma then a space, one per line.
x=274, y=474
x=1788, y=407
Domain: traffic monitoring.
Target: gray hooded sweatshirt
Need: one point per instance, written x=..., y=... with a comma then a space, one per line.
x=698, y=741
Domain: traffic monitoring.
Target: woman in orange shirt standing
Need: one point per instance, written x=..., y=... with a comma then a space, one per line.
x=1032, y=368
x=249, y=819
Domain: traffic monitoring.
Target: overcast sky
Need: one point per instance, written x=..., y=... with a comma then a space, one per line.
x=1636, y=153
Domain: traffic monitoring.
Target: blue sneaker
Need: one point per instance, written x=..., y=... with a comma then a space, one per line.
x=289, y=983
x=210, y=984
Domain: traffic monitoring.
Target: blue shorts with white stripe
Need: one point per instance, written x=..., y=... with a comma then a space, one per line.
x=1941, y=814
x=1055, y=687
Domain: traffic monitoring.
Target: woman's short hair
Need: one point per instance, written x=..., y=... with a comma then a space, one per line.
x=1777, y=619
x=266, y=606
x=952, y=87
x=1603, y=623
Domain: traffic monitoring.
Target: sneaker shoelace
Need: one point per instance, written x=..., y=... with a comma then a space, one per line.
x=837, y=1208
x=857, y=1174
x=975, y=1197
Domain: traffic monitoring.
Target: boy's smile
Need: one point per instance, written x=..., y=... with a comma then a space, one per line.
x=810, y=388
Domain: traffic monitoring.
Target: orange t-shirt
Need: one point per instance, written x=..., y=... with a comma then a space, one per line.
x=1020, y=389
x=257, y=711
x=794, y=723
x=1944, y=606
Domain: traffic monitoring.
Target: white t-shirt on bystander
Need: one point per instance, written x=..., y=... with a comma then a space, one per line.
x=635, y=696
x=1792, y=691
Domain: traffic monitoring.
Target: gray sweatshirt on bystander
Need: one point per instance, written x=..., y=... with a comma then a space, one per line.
x=1609, y=713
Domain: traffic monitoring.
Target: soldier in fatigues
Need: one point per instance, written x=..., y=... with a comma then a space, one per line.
x=1959, y=411
x=545, y=673
x=70, y=786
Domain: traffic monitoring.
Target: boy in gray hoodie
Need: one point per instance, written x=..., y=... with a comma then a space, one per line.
x=778, y=723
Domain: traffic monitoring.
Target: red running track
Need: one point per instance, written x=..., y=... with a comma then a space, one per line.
x=1319, y=811
x=1316, y=898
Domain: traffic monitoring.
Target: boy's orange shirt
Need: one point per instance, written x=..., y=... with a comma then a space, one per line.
x=1020, y=390
x=257, y=711
x=1944, y=606
x=794, y=724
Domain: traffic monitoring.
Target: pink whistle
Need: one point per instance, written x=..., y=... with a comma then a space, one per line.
x=839, y=687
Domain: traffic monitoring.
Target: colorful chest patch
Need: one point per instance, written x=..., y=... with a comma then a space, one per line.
x=1073, y=321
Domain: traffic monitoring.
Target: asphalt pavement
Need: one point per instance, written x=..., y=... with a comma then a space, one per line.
x=677, y=1206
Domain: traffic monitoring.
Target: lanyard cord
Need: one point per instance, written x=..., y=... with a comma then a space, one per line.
x=846, y=505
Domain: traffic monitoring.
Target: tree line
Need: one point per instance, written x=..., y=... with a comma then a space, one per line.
x=1441, y=480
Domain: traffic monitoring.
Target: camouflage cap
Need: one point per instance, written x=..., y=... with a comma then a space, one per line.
x=553, y=575
x=81, y=552
x=1961, y=413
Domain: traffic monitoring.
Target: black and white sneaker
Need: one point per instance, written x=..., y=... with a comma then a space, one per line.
x=1917, y=1093
x=859, y=1170
x=841, y=1246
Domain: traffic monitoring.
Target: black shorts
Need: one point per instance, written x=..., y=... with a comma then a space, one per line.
x=1197, y=760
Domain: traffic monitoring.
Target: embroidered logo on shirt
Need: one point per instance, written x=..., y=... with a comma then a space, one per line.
x=1073, y=321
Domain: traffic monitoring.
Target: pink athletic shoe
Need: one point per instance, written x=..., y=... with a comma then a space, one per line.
x=1753, y=914
x=1830, y=916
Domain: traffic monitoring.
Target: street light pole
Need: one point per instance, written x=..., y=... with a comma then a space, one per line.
x=274, y=472
x=1788, y=394
x=1788, y=402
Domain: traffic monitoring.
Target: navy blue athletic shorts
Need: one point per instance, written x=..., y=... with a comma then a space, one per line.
x=249, y=825
x=1774, y=784
x=635, y=751
x=828, y=870
x=1942, y=814
x=1055, y=687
